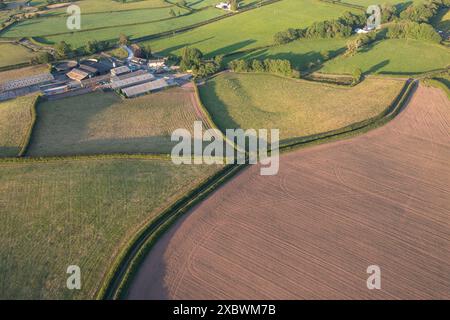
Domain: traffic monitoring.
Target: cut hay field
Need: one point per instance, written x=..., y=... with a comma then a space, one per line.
x=393, y=56
x=311, y=231
x=99, y=123
x=250, y=29
x=15, y=120
x=14, y=54
x=297, y=108
x=81, y=212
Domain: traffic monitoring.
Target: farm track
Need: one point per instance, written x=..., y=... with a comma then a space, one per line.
x=311, y=231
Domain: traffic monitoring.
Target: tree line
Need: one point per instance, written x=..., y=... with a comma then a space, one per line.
x=276, y=66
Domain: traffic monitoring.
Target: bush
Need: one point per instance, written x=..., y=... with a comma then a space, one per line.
x=423, y=12
x=275, y=66
x=339, y=28
x=357, y=76
x=413, y=30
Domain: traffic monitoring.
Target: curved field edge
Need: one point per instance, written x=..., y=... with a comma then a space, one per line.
x=25, y=128
x=118, y=281
x=290, y=142
x=116, y=190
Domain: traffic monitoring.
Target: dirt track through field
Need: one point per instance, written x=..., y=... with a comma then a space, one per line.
x=311, y=231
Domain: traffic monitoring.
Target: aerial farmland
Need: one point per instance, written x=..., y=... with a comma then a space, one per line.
x=224, y=150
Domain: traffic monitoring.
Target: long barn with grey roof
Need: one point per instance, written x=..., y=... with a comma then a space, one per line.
x=132, y=81
x=145, y=87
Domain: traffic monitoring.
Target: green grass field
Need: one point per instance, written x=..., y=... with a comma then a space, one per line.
x=105, y=123
x=15, y=119
x=61, y=213
x=51, y=25
x=300, y=53
x=394, y=56
x=250, y=29
x=14, y=54
x=77, y=39
x=297, y=108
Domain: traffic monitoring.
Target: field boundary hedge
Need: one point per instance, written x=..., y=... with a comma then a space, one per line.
x=117, y=281
x=99, y=157
x=15, y=66
x=344, y=4
x=27, y=137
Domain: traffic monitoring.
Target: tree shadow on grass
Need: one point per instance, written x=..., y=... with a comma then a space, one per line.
x=173, y=49
x=231, y=48
x=8, y=151
x=375, y=68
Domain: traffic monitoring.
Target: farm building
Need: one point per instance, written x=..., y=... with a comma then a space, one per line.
x=96, y=66
x=26, y=82
x=120, y=70
x=139, y=61
x=157, y=63
x=224, y=6
x=56, y=90
x=77, y=74
x=128, y=75
x=90, y=70
x=143, y=88
x=65, y=66
x=132, y=81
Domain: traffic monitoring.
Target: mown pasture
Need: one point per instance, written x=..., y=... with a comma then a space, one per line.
x=11, y=54
x=58, y=24
x=78, y=39
x=105, y=123
x=15, y=120
x=393, y=56
x=250, y=29
x=78, y=212
x=295, y=107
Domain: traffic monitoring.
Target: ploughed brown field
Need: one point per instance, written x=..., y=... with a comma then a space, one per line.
x=311, y=231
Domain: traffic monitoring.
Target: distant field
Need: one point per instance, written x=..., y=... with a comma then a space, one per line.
x=395, y=56
x=367, y=3
x=300, y=53
x=111, y=5
x=60, y=213
x=52, y=25
x=22, y=72
x=14, y=54
x=77, y=39
x=250, y=29
x=297, y=108
x=15, y=119
x=105, y=123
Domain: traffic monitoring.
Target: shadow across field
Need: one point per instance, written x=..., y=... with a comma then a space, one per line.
x=8, y=151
